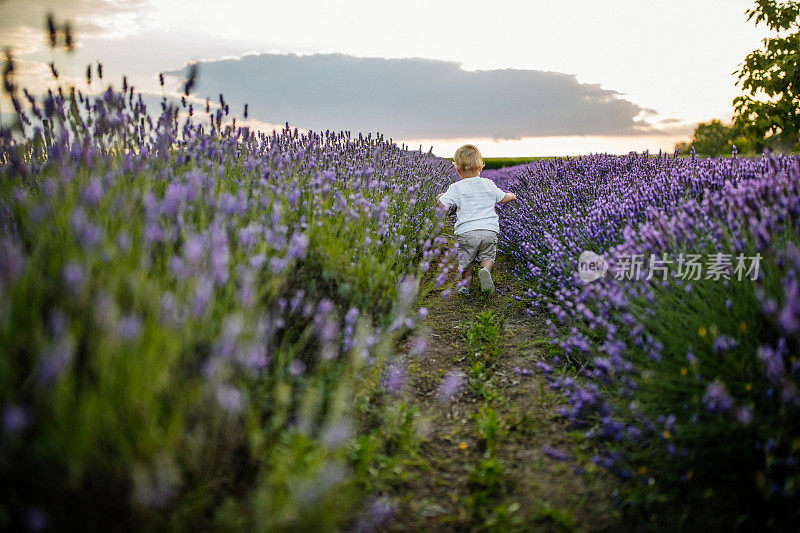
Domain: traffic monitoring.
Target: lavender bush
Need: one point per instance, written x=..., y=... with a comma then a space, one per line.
x=188, y=308
x=692, y=384
x=586, y=203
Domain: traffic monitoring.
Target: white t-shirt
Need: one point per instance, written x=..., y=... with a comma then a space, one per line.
x=475, y=198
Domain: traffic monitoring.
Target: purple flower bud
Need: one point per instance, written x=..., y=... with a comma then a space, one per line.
x=450, y=386
x=230, y=399
x=74, y=277
x=297, y=368
x=393, y=377
x=15, y=419
x=298, y=245
x=555, y=453
x=744, y=415
x=129, y=327
x=716, y=398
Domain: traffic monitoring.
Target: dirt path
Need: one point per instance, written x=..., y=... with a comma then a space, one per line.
x=534, y=490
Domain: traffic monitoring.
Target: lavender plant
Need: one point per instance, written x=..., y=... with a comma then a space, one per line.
x=689, y=380
x=189, y=307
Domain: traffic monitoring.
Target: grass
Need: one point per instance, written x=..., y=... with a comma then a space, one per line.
x=486, y=470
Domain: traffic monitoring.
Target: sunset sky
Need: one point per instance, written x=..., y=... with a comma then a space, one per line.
x=516, y=78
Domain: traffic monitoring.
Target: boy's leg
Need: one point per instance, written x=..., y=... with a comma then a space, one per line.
x=486, y=257
x=466, y=277
x=467, y=248
x=487, y=283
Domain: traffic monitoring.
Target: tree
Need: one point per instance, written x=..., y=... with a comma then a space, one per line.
x=770, y=78
x=715, y=139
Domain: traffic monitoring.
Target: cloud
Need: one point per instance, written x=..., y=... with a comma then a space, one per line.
x=112, y=18
x=418, y=98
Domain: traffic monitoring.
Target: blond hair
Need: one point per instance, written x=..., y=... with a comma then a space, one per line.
x=468, y=159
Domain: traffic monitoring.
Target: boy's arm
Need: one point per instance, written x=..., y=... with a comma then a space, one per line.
x=509, y=197
x=503, y=197
x=444, y=200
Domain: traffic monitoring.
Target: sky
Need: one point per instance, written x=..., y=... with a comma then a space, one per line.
x=517, y=78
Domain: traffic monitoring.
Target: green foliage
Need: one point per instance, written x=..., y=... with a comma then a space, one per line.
x=487, y=477
x=504, y=517
x=482, y=382
x=491, y=428
x=715, y=139
x=563, y=520
x=770, y=78
x=381, y=457
x=483, y=336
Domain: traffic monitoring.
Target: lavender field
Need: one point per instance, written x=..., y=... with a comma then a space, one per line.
x=204, y=326
x=685, y=352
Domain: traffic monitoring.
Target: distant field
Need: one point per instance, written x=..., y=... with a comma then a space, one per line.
x=500, y=162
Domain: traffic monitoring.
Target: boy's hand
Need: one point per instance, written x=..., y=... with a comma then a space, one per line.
x=509, y=197
x=440, y=204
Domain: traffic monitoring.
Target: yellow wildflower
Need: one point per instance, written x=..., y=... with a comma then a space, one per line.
x=462, y=446
x=642, y=470
x=702, y=331
x=684, y=371
x=667, y=434
x=748, y=387
x=742, y=326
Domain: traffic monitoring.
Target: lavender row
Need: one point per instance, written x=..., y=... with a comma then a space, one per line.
x=691, y=385
x=188, y=308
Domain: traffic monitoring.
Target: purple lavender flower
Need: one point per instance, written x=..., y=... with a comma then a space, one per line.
x=129, y=327
x=54, y=361
x=555, y=453
x=37, y=520
x=15, y=418
x=394, y=377
x=716, y=398
x=724, y=343
x=418, y=345
x=297, y=368
x=93, y=193
x=744, y=415
x=378, y=511
x=450, y=386
x=772, y=358
x=230, y=399
x=202, y=296
x=74, y=277
x=337, y=434
x=194, y=249
x=298, y=246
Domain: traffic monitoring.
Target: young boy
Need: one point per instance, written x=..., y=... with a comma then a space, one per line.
x=477, y=224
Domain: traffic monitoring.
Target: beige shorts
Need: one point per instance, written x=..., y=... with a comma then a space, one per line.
x=475, y=246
